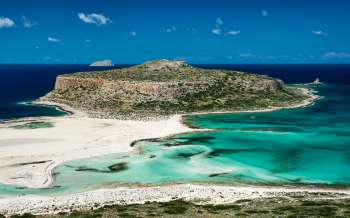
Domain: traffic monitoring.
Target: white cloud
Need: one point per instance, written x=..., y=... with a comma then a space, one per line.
x=264, y=13
x=234, y=32
x=47, y=58
x=93, y=18
x=319, y=32
x=332, y=54
x=52, y=39
x=6, y=22
x=87, y=40
x=216, y=31
x=133, y=33
x=219, y=21
x=246, y=55
x=28, y=23
x=170, y=29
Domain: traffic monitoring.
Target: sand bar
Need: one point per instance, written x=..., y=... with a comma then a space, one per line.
x=28, y=156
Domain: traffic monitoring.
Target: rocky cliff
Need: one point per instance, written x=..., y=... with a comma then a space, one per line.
x=168, y=87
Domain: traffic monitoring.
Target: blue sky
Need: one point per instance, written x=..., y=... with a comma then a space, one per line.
x=133, y=31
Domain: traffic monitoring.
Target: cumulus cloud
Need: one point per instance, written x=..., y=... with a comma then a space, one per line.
x=87, y=40
x=234, y=32
x=319, y=32
x=28, y=23
x=133, y=33
x=52, y=39
x=6, y=22
x=216, y=31
x=219, y=21
x=333, y=54
x=170, y=29
x=93, y=18
x=264, y=13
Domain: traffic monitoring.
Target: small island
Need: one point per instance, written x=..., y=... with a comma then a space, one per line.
x=103, y=63
x=163, y=88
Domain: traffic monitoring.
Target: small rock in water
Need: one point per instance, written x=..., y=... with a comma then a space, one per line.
x=317, y=81
x=118, y=167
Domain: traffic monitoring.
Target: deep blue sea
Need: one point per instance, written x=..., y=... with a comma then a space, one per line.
x=304, y=146
x=24, y=83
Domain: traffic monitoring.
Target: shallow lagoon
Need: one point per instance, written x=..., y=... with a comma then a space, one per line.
x=300, y=146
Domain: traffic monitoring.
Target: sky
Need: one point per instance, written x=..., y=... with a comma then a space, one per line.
x=197, y=31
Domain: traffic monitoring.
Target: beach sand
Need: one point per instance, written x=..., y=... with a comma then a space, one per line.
x=28, y=156
x=199, y=194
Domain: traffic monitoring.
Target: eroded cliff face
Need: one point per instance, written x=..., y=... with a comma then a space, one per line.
x=165, y=87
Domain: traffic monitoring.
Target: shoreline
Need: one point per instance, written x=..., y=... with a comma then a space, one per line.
x=307, y=102
x=86, y=198
x=199, y=194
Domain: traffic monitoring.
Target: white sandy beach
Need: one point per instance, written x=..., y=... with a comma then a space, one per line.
x=200, y=194
x=72, y=137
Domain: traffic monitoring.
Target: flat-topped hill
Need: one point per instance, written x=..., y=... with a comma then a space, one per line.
x=167, y=87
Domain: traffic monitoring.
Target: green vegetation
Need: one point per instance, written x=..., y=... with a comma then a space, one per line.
x=26, y=215
x=263, y=207
x=34, y=125
x=175, y=207
x=165, y=87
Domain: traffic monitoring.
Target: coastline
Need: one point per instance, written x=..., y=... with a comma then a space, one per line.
x=307, y=102
x=42, y=177
x=199, y=194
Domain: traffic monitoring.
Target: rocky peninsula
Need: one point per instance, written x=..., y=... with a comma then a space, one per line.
x=163, y=88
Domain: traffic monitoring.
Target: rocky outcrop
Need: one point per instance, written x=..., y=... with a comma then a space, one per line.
x=166, y=87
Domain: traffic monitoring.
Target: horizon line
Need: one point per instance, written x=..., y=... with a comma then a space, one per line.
x=116, y=64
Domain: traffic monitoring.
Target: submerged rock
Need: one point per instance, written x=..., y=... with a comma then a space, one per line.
x=118, y=167
x=111, y=169
x=317, y=81
x=189, y=154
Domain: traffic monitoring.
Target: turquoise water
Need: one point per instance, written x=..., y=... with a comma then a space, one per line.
x=299, y=146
